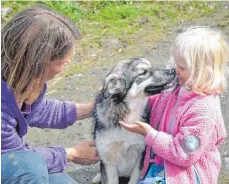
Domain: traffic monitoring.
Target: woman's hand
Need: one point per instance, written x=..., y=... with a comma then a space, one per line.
x=139, y=127
x=84, y=153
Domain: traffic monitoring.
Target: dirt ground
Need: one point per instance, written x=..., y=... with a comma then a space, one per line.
x=81, y=87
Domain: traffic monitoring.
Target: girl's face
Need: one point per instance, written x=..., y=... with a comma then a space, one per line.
x=57, y=66
x=182, y=70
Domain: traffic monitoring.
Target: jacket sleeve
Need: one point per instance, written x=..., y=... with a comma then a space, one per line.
x=193, y=138
x=55, y=157
x=53, y=114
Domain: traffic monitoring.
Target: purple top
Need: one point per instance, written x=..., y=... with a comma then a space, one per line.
x=43, y=113
x=26, y=110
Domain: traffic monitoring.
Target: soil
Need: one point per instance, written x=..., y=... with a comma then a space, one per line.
x=82, y=87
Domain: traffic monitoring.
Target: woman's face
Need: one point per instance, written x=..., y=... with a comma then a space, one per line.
x=57, y=66
x=182, y=70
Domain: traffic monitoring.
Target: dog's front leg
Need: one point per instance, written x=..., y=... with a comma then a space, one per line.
x=135, y=175
x=112, y=174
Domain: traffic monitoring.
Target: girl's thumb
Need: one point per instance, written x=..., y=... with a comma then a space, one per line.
x=139, y=123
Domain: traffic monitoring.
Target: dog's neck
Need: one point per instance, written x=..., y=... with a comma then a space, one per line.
x=134, y=104
x=136, y=107
x=130, y=109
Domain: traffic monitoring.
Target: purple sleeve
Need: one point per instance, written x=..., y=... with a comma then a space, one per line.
x=55, y=157
x=52, y=114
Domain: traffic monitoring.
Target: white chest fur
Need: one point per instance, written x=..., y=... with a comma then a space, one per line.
x=136, y=109
x=122, y=148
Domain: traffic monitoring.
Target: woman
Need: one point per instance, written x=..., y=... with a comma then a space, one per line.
x=36, y=44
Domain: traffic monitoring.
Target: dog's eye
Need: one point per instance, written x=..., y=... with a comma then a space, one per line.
x=144, y=72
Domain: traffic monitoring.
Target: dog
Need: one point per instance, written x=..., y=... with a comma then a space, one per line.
x=123, y=97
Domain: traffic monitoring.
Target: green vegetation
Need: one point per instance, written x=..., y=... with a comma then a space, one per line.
x=127, y=22
x=110, y=17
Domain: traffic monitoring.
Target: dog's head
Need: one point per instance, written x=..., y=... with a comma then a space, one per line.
x=135, y=78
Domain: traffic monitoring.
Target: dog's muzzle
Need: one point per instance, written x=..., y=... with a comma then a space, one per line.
x=155, y=89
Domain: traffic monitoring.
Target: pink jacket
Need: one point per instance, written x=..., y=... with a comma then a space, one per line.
x=187, y=143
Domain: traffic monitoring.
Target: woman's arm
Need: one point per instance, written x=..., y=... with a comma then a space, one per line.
x=55, y=157
x=58, y=114
x=84, y=111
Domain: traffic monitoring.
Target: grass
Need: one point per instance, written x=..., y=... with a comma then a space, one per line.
x=125, y=21
x=94, y=17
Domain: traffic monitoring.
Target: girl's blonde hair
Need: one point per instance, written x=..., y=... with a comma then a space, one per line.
x=206, y=53
x=31, y=40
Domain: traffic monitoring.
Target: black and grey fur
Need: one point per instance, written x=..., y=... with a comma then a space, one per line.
x=123, y=97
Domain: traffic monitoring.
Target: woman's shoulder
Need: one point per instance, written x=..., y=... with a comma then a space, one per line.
x=8, y=119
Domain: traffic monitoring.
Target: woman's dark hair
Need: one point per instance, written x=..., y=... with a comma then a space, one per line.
x=31, y=40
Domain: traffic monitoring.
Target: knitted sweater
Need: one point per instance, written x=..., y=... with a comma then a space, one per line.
x=44, y=114
x=188, y=144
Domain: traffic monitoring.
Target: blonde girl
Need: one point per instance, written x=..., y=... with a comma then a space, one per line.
x=186, y=125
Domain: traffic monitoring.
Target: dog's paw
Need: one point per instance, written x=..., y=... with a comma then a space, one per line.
x=97, y=179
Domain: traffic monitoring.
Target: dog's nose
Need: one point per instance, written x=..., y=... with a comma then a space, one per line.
x=172, y=71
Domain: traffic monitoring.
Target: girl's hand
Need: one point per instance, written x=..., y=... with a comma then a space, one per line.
x=139, y=127
x=84, y=153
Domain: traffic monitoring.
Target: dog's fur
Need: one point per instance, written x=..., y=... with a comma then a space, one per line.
x=123, y=97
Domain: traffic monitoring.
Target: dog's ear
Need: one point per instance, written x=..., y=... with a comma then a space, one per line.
x=114, y=85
